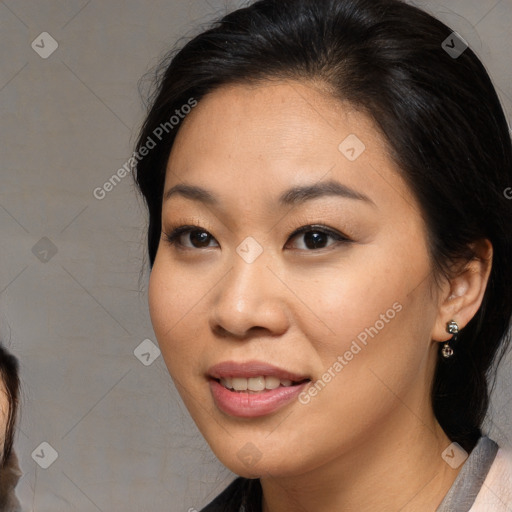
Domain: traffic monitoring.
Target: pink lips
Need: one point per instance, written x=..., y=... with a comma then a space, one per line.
x=250, y=405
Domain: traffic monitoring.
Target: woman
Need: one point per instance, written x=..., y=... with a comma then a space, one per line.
x=329, y=244
x=10, y=472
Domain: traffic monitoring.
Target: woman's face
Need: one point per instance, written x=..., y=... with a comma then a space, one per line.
x=353, y=315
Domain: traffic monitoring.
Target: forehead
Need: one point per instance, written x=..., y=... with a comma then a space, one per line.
x=262, y=139
x=291, y=120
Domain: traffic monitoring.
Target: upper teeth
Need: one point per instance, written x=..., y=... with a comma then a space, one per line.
x=254, y=383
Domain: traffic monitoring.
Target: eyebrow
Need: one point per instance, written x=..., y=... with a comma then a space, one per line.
x=292, y=196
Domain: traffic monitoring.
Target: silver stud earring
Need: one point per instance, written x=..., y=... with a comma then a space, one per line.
x=453, y=328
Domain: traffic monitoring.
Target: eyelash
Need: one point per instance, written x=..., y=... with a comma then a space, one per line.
x=172, y=237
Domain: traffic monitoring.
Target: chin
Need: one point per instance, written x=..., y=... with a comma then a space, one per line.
x=251, y=462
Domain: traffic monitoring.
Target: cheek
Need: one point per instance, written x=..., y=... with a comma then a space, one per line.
x=355, y=300
x=373, y=324
x=158, y=300
x=165, y=309
x=171, y=296
x=176, y=301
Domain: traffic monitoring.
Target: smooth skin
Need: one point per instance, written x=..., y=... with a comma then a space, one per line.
x=369, y=440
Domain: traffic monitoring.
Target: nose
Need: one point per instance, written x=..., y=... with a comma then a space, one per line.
x=250, y=299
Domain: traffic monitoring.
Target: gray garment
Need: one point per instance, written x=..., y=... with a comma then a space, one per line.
x=467, y=485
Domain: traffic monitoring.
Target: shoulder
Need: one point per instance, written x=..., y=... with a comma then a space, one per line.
x=496, y=492
x=232, y=498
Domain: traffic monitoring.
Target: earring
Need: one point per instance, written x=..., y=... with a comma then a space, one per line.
x=453, y=328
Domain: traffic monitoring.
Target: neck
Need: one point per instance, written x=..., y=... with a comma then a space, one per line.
x=398, y=467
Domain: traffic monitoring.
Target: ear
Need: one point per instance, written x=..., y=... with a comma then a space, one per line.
x=462, y=295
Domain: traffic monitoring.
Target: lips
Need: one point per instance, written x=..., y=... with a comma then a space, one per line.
x=253, y=388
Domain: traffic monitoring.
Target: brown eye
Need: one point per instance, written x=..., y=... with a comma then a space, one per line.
x=317, y=237
x=198, y=237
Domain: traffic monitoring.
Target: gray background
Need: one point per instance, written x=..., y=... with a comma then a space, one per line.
x=73, y=305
